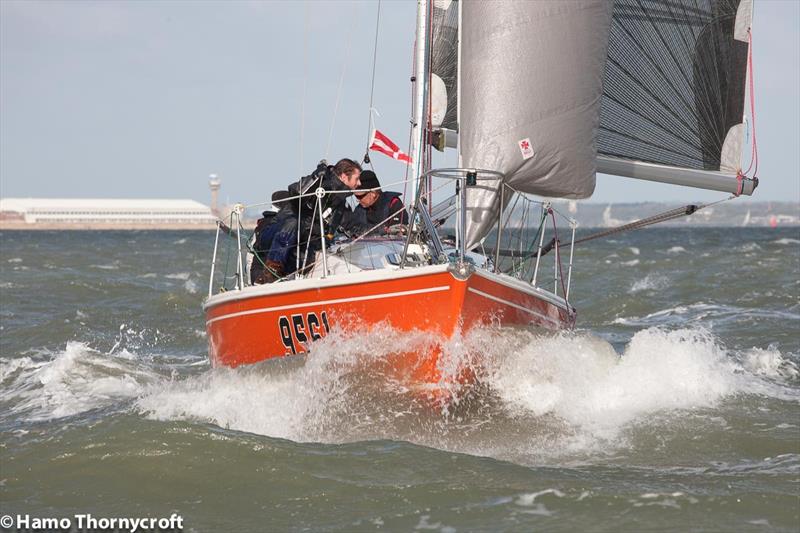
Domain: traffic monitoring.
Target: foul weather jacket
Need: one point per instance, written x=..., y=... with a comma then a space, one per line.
x=376, y=218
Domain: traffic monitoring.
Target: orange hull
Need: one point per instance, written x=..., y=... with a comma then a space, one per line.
x=282, y=319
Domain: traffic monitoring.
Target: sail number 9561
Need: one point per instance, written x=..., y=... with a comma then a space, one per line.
x=298, y=330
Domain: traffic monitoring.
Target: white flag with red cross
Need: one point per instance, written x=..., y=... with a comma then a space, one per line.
x=383, y=144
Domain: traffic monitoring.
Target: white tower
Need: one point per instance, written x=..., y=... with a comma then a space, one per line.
x=213, y=183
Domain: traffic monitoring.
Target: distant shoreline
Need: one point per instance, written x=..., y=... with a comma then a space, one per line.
x=24, y=226
x=248, y=227
x=588, y=215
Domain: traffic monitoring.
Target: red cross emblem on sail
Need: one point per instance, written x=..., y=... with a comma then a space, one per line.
x=383, y=144
x=525, y=148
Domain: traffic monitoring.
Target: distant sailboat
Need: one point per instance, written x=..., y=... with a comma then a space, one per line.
x=573, y=207
x=608, y=220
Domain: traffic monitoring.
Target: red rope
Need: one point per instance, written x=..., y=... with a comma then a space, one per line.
x=754, y=151
x=739, y=184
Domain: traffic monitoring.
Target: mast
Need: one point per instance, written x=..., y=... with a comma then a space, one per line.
x=419, y=117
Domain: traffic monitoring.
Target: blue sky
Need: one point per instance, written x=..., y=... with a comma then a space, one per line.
x=146, y=99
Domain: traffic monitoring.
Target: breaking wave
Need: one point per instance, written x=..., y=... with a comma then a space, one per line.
x=749, y=247
x=190, y=286
x=112, y=266
x=649, y=282
x=538, y=396
x=70, y=382
x=682, y=314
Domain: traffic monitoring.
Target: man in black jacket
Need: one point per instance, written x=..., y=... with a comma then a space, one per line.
x=337, y=181
x=376, y=210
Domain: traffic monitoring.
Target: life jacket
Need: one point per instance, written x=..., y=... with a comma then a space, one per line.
x=362, y=220
x=387, y=203
x=394, y=207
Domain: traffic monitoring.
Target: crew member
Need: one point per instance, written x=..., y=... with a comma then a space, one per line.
x=266, y=227
x=376, y=211
x=299, y=229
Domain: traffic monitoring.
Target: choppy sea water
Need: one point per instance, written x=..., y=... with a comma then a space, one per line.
x=675, y=405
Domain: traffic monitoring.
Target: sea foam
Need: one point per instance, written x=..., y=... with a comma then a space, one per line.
x=538, y=394
x=66, y=383
x=648, y=283
x=574, y=384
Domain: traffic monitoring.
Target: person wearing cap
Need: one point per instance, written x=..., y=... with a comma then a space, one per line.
x=376, y=210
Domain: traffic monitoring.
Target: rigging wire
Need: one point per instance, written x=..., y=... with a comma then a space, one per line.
x=372, y=84
x=641, y=223
x=305, y=84
x=560, y=272
x=348, y=46
x=649, y=221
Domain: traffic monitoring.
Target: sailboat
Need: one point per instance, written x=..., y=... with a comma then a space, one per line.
x=536, y=97
x=746, y=220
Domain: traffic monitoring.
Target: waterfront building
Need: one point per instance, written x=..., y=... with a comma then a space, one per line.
x=112, y=213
